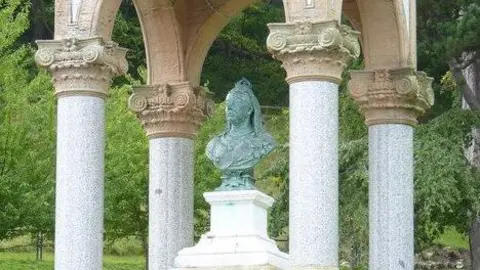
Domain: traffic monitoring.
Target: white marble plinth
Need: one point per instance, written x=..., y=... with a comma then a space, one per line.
x=238, y=235
x=391, y=197
x=313, y=229
x=79, y=183
x=170, y=200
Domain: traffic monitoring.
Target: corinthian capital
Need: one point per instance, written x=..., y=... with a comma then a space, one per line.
x=392, y=96
x=81, y=66
x=313, y=50
x=170, y=110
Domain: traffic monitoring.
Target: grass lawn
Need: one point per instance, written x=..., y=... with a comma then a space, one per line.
x=451, y=238
x=19, y=260
x=26, y=261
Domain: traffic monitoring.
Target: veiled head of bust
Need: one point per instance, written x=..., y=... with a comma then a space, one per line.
x=242, y=108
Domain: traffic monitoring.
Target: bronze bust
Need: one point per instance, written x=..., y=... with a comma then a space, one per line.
x=243, y=143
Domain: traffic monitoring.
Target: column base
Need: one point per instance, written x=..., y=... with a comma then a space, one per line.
x=238, y=237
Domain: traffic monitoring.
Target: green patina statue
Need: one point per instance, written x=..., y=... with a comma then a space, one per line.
x=243, y=143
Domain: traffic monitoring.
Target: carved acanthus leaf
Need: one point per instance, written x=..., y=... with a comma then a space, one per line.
x=170, y=110
x=313, y=49
x=83, y=66
x=397, y=96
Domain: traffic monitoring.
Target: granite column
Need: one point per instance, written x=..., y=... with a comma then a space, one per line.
x=391, y=100
x=314, y=54
x=170, y=114
x=81, y=70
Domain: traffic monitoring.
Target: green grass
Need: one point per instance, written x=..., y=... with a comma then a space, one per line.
x=26, y=261
x=451, y=238
x=15, y=259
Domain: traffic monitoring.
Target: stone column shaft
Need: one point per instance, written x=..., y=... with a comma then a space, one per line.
x=81, y=71
x=79, y=183
x=170, y=199
x=391, y=196
x=314, y=54
x=391, y=101
x=313, y=229
x=170, y=115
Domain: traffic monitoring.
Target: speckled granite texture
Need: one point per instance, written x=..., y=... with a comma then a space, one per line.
x=79, y=183
x=314, y=174
x=391, y=197
x=170, y=200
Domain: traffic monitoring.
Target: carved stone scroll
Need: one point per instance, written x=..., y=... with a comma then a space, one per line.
x=392, y=96
x=170, y=110
x=81, y=66
x=313, y=50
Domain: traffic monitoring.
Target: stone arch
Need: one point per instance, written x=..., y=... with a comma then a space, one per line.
x=163, y=32
x=161, y=23
x=177, y=38
x=85, y=18
x=386, y=31
x=202, y=36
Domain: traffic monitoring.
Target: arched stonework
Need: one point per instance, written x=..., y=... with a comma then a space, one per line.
x=163, y=33
x=201, y=35
x=177, y=38
x=177, y=34
x=387, y=31
x=85, y=18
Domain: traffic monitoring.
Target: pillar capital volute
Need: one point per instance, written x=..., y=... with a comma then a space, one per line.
x=81, y=66
x=313, y=50
x=391, y=96
x=172, y=109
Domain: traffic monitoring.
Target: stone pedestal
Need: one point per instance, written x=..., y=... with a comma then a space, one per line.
x=238, y=236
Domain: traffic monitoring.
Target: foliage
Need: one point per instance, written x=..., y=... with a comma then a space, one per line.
x=446, y=29
x=273, y=176
x=21, y=261
x=446, y=184
x=126, y=176
x=352, y=125
x=241, y=48
x=27, y=171
x=447, y=32
x=128, y=33
x=206, y=176
x=26, y=133
x=452, y=238
x=353, y=182
x=14, y=21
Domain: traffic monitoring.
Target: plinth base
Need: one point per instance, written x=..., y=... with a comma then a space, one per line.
x=238, y=237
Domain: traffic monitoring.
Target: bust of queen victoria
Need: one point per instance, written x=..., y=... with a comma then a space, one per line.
x=243, y=143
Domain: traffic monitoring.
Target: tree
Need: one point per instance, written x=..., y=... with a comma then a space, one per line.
x=448, y=39
x=240, y=51
x=206, y=176
x=26, y=123
x=126, y=178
